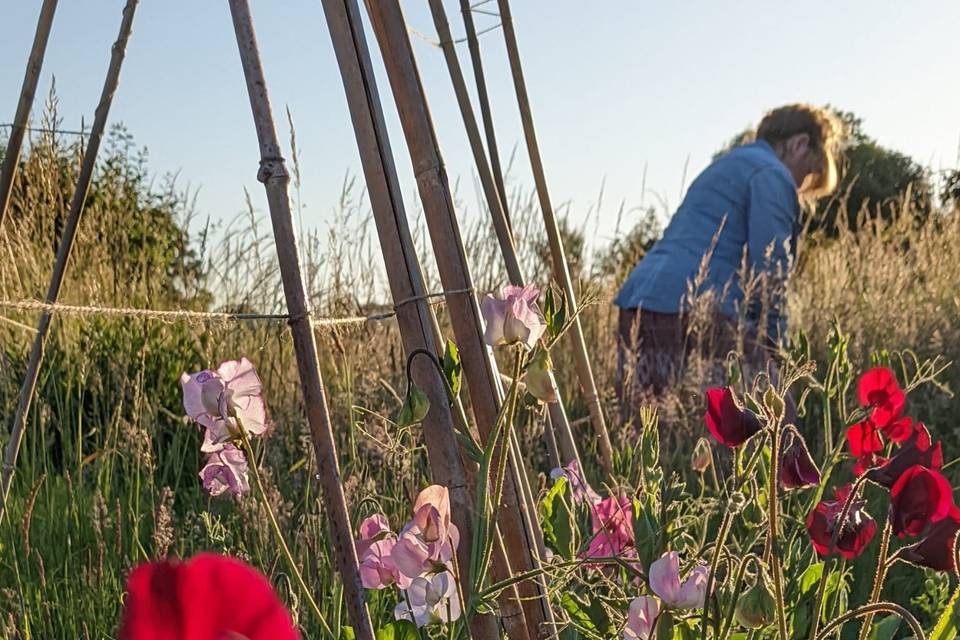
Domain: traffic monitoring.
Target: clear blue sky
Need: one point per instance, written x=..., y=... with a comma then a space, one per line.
x=614, y=85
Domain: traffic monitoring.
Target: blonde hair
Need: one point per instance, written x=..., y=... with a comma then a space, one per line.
x=824, y=131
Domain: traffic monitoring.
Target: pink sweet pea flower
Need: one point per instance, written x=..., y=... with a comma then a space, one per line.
x=665, y=582
x=643, y=615
x=432, y=600
x=226, y=470
x=374, y=549
x=513, y=317
x=377, y=570
x=222, y=400
x=612, y=520
x=428, y=542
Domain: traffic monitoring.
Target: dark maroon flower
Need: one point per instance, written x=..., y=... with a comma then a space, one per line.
x=918, y=498
x=864, y=439
x=855, y=533
x=878, y=389
x=797, y=468
x=935, y=549
x=729, y=423
x=916, y=451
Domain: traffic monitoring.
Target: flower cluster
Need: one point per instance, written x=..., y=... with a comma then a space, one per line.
x=732, y=424
x=664, y=578
x=226, y=403
x=921, y=498
x=418, y=560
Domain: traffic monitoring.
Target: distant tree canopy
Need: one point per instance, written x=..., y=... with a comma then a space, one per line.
x=873, y=178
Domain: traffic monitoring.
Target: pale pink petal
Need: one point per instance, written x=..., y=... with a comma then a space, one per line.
x=241, y=377
x=252, y=413
x=643, y=615
x=192, y=385
x=665, y=578
x=693, y=591
x=376, y=568
x=226, y=470
x=373, y=526
x=411, y=556
x=494, y=314
x=437, y=496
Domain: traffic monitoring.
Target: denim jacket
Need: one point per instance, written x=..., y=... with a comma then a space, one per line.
x=753, y=195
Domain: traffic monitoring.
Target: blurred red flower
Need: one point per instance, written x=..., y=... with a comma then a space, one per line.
x=209, y=597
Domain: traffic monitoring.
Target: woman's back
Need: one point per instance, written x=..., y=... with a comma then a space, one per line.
x=748, y=192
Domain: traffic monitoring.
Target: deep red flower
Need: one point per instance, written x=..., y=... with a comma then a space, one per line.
x=935, y=548
x=900, y=430
x=866, y=462
x=916, y=451
x=864, y=439
x=797, y=468
x=918, y=498
x=879, y=390
x=210, y=597
x=855, y=533
x=729, y=423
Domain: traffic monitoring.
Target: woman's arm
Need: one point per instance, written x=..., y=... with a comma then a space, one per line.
x=771, y=217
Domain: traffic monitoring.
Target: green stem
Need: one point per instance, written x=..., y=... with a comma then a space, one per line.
x=827, y=564
x=721, y=538
x=772, y=530
x=869, y=609
x=485, y=520
x=248, y=450
x=878, y=578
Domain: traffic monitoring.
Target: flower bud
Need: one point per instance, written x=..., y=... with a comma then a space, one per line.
x=756, y=607
x=539, y=378
x=701, y=456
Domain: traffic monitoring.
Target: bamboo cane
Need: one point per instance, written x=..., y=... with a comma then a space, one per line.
x=560, y=269
x=389, y=26
x=273, y=174
x=416, y=320
x=557, y=418
x=483, y=99
x=11, y=156
x=29, y=386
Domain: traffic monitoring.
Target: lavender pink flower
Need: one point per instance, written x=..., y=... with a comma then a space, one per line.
x=226, y=470
x=665, y=582
x=513, y=317
x=223, y=400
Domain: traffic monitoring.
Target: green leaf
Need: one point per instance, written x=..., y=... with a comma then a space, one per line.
x=665, y=626
x=452, y=367
x=811, y=577
x=646, y=532
x=414, y=408
x=947, y=626
x=347, y=633
x=592, y=617
x=886, y=629
x=398, y=630
x=554, y=312
x=558, y=520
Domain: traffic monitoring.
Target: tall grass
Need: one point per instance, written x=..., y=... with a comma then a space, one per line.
x=107, y=476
